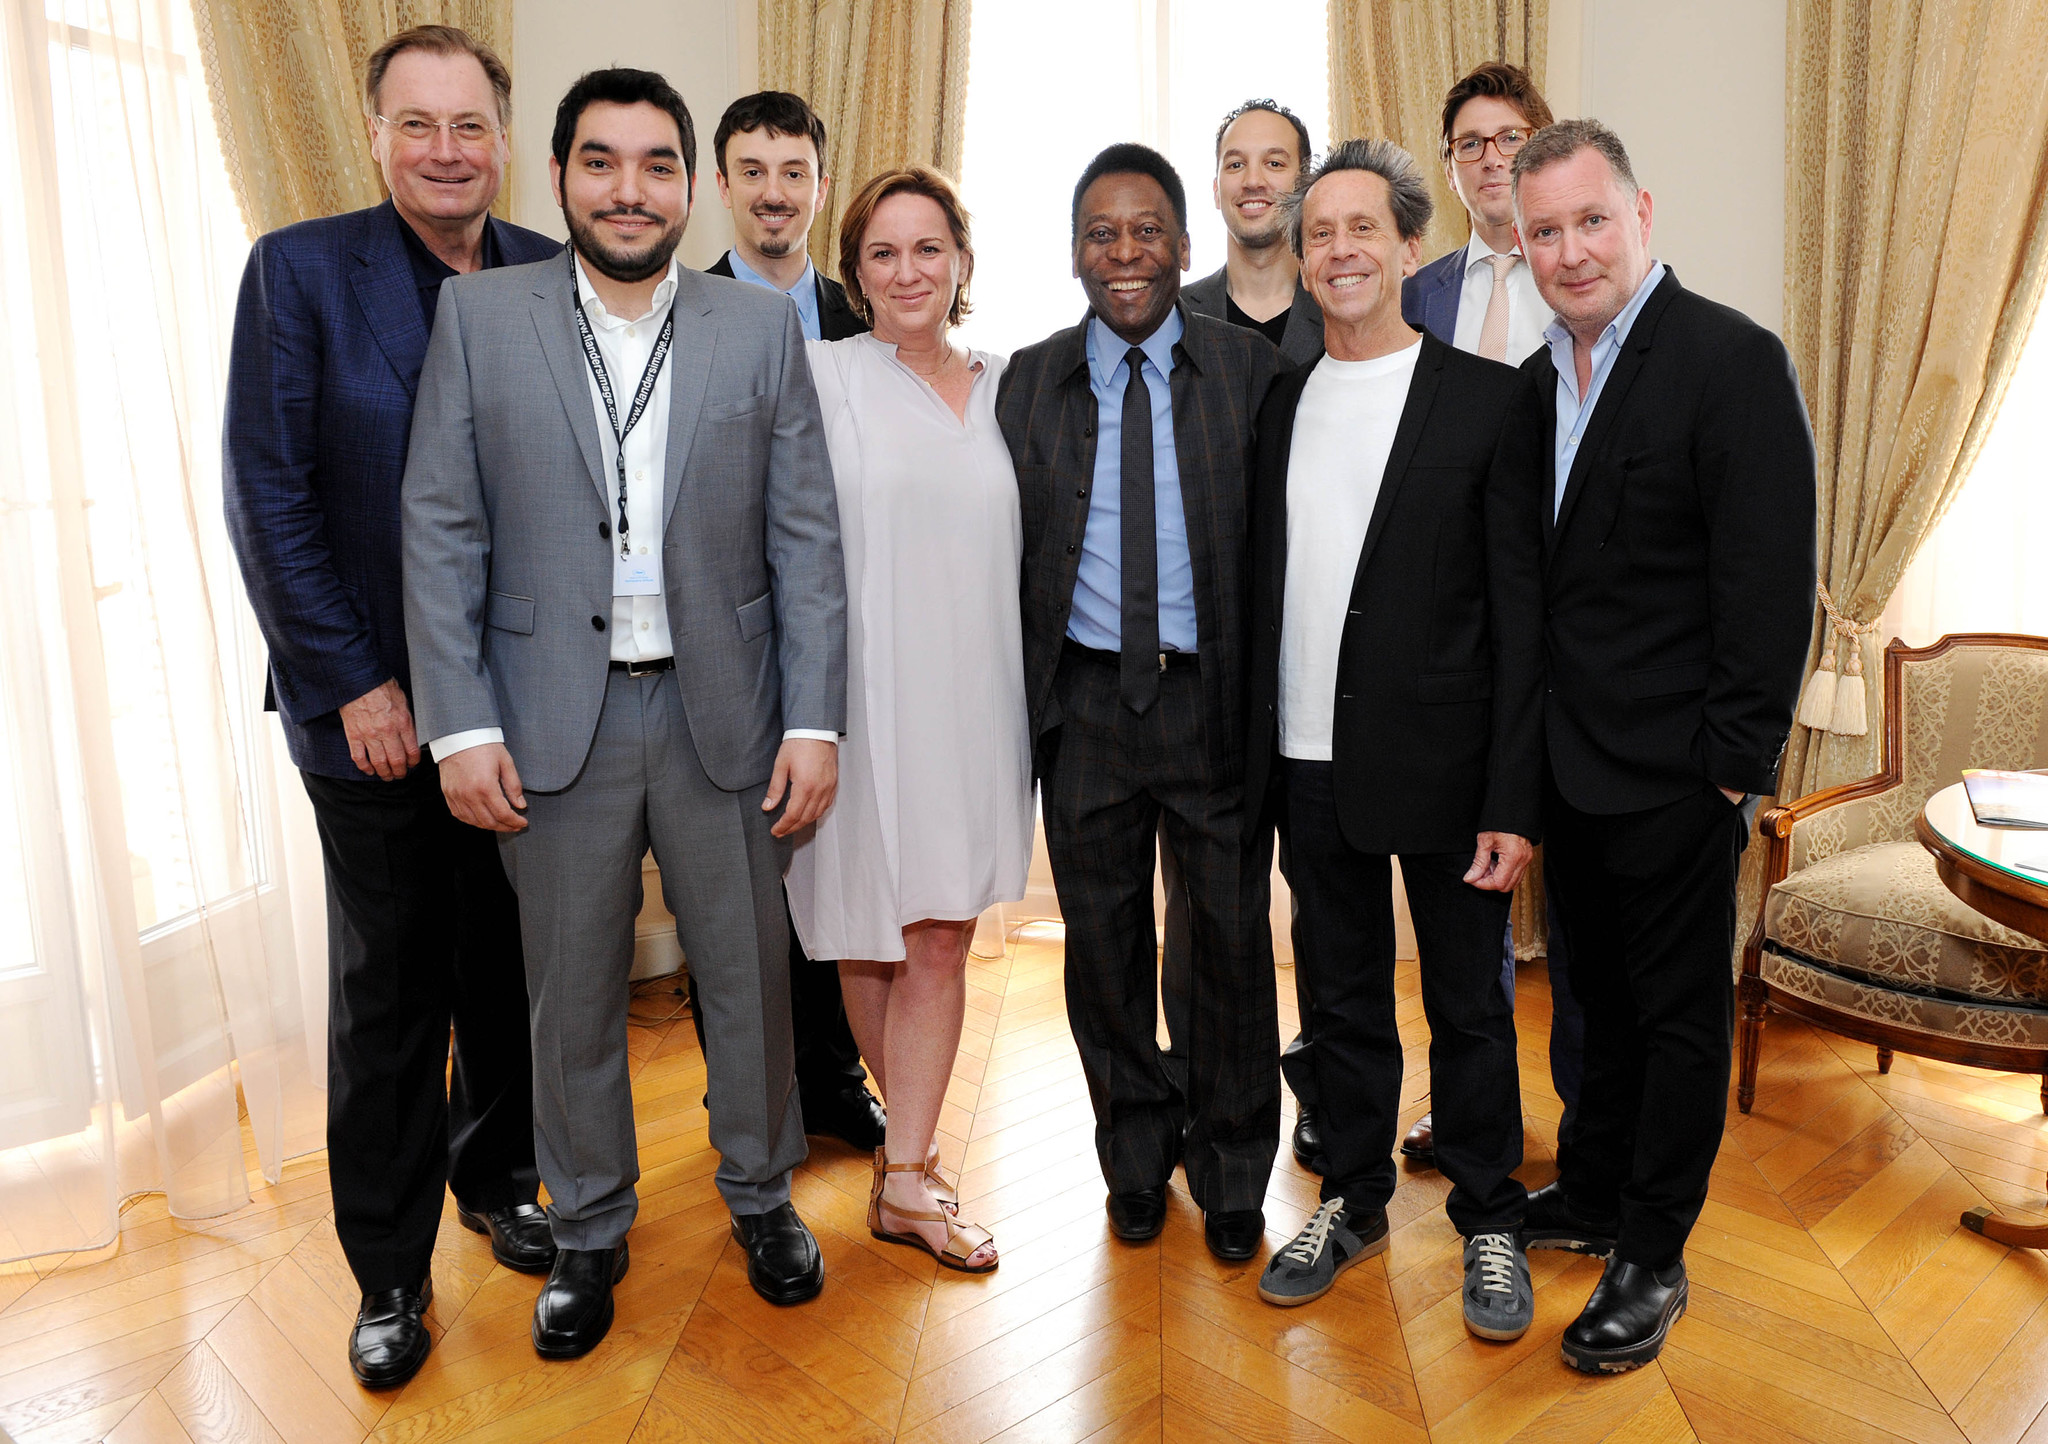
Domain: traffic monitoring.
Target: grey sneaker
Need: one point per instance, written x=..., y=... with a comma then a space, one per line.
x=1330, y=1242
x=1500, y=1302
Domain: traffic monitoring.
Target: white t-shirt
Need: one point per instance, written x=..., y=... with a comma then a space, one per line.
x=1343, y=432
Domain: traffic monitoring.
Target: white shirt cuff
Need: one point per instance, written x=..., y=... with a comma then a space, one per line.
x=810, y=735
x=444, y=748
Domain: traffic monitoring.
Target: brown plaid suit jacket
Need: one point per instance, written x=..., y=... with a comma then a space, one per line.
x=1047, y=411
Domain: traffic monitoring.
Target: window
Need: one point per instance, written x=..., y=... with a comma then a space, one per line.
x=1077, y=75
x=1981, y=570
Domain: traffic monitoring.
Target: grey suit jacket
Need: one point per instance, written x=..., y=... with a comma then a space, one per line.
x=1300, y=343
x=508, y=557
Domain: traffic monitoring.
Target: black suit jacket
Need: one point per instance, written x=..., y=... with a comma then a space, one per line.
x=1047, y=411
x=836, y=317
x=1437, y=732
x=1678, y=573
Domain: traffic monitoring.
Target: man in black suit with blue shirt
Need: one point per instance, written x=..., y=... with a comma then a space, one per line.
x=330, y=334
x=1669, y=446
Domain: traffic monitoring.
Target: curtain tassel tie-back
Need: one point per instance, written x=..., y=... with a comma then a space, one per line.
x=1833, y=700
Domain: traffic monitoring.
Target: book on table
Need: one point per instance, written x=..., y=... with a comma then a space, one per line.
x=2007, y=799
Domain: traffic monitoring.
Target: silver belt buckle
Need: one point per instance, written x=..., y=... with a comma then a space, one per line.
x=645, y=669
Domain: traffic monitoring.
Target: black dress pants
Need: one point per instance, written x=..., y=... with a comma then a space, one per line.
x=1647, y=900
x=827, y=1058
x=1112, y=784
x=1344, y=940
x=422, y=934
x=1297, y=1059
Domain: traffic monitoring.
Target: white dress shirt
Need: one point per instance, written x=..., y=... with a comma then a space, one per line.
x=1527, y=315
x=1343, y=433
x=639, y=628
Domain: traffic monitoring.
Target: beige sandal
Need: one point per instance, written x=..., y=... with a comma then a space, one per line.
x=962, y=1239
x=948, y=1194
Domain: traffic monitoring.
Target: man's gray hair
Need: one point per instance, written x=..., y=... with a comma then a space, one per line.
x=1407, y=191
x=1565, y=139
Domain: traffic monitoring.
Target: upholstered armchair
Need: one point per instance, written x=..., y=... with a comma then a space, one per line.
x=1857, y=934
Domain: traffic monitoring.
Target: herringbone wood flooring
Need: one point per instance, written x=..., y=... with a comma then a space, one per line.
x=1834, y=1298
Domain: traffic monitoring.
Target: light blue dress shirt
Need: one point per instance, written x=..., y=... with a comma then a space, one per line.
x=804, y=292
x=1097, y=618
x=1574, y=412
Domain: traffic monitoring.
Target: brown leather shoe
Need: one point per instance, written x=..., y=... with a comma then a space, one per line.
x=1420, y=1144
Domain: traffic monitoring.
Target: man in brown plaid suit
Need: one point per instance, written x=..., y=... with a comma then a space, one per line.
x=1132, y=435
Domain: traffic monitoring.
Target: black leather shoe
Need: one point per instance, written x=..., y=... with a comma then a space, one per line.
x=1623, y=1325
x=520, y=1236
x=390, y=1340
x=574, y=1310
x=1420, y=1142
x=1137, y=1215
x=1308, y=1139
x=1550, y=1221
x=1234, y=1233
x=852, y=1116
x=783, y=1262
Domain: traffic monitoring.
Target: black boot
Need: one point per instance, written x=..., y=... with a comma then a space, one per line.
x=390, y=1340
x=1623, y=1325
x=1550, y=1220
x=574, y=1310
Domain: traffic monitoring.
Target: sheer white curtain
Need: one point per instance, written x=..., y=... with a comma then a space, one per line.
x=1985, y=568
x=150, y=960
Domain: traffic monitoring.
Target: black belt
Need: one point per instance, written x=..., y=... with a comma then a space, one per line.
x=647, y=668
x=1167, y=660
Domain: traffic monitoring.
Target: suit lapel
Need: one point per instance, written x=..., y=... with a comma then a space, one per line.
x=1272, y=494
x=1407, y=434
x=553, y=295
x=689, y=374
x=1450, y=289
x=384, y=288
x=1628, y=364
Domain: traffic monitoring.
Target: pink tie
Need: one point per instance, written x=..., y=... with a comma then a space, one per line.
x=1493, y=331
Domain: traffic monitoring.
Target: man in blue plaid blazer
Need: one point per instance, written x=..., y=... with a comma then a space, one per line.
x=330, y=332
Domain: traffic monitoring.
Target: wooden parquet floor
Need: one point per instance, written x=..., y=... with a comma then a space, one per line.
x=1834, y=1298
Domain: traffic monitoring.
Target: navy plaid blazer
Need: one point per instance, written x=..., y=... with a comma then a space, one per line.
x=327, y=350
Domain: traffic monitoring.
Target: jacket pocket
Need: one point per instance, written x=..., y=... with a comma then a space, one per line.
x=757, y=618
x=1432, y=687
x=1668, y=680
x=510, y=614
x=727, y=410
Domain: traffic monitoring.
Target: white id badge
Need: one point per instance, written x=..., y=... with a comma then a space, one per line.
x=637, y=574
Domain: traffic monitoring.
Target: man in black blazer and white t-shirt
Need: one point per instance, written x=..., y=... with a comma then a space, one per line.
x=1669, y=443
x=1395, y=710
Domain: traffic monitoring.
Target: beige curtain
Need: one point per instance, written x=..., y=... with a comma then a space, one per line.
x=1916, y=246
x=286, y=78
x=888, y=78
x=156, y=980
x=1391, y=61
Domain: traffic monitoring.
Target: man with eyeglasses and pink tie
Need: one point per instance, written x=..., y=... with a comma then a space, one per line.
x=1482, y=298
x=423, y=930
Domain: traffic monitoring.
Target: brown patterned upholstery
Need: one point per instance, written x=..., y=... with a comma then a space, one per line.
x=1860, y=926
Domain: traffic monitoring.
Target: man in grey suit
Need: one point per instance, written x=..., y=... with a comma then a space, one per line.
x=655, y=658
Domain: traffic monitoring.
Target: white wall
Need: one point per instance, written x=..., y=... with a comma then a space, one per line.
x=1697, y=93
x=706, y=48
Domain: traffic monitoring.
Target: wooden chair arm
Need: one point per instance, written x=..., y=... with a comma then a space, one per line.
x=1780, y=820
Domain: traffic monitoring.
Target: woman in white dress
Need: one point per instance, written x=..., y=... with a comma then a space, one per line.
x=932, y=822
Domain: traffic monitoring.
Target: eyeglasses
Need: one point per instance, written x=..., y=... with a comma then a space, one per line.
x=417, y=130
x=1468, y=148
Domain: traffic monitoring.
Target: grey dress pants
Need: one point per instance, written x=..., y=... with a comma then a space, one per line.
x=576, y=868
